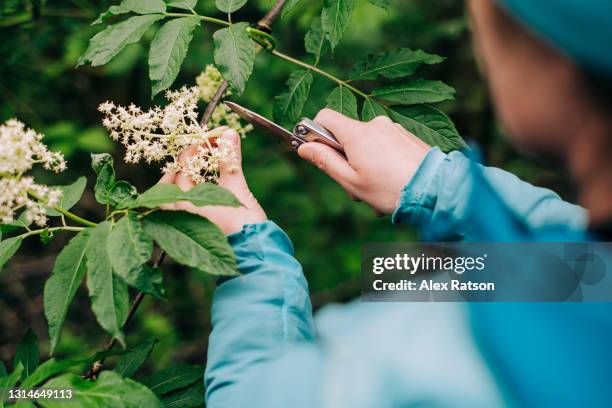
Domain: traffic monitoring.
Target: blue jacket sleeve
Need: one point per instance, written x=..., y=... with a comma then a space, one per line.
x=256, y=314
x=263, y=353
x=440, y=190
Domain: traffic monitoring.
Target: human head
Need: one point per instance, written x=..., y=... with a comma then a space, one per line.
x=540, y=68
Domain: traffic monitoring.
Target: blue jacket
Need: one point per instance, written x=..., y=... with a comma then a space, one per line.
x=267, y=350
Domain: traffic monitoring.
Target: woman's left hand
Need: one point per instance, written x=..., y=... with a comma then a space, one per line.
x=228, y=219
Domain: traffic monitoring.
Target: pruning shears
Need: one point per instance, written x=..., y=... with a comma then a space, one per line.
x=306, y=130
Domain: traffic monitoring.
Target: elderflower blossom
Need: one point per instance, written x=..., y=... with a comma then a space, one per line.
x=20, y=149
x=160, y=134
x=208, y=82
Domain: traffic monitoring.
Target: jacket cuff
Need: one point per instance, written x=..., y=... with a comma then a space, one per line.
x=418, y=197
x=254, y=240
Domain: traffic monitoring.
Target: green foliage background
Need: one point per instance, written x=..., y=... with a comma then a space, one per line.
x=40, y=85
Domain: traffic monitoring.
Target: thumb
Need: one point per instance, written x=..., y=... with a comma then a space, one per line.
x=329, y=161
x=231, y=175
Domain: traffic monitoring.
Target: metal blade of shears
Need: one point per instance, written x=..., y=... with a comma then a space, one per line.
x=265, y=124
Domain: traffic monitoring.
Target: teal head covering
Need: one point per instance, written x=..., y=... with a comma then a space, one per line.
x=580, y=28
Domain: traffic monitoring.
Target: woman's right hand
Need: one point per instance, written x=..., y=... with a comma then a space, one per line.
x=382, y=158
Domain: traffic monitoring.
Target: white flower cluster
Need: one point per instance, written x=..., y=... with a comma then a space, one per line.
x=208, y=82
x=161, y=134
x=20, y=150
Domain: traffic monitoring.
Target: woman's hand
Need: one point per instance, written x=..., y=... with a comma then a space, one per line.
x=382, y=158
x=228, y=219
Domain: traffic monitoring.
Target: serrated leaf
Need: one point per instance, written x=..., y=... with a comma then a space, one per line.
x=371, y=109
x=183, y=4
x=134, y=6
x=71, y=194
x=48, y=369
x=173, y=378
x=131, y=361
x=192, y=240
x=288, y=106
x=8, y=247
x=108, y=294
x=342, y=100
x=289, y=6
x=105, y=45
x=381, y=3
x=102, y=164
x=168, y=50
x=107, y=190
x=128, y=245
x=190, y=397
x=9, y=382
x=129, y=248
x=392, y=64
x=229, y=6
x=109, y=390
x=67, y=275
x=234, y=55
x=430, y=125
x=122, y=194
x=200, y=195
x=315, y=41
x=27, y=353
x=415, y=91
x=336, y=18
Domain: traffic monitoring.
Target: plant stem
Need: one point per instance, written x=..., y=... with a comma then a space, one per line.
x=203, y=18
x=53, y=229
x=320, y=72
x=264, y=24
x=74, y=217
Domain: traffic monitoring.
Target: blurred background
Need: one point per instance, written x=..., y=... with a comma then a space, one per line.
x=40, y=86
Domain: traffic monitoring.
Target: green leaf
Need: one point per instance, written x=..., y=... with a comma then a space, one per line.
x=200, y=195
x=71, y=194
x=430, y=125
x=371, y=110
x=193, y=241
x=168, y=50
x=107, y=190
x=109, y=390
x=234, y=55
x=27, y=353
x=8, y=247
x=131, y=361
x=49, y=368
x=3, y=372
x=229, y=6
x=173, y=378
x=342, y=100
x=105, y=45
x=108, y=294
x=336, y=18
x=315, y=41
x=60, y=288
x=122, y=194
x=392, y=64
x=190, y=397
x=9, y=382
x=381, y=3
x=102, y=164
x=288, y=106
x=129, y=248
x=183, y=4
x=289, y=6
x=415, y=91
x=135, y=6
